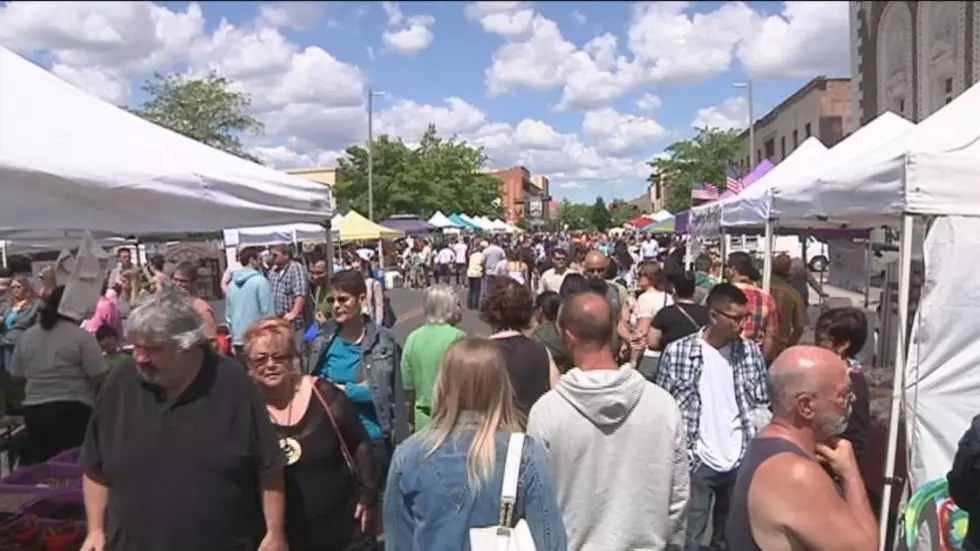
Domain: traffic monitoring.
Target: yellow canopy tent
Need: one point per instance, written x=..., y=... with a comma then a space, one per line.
x=354, y=227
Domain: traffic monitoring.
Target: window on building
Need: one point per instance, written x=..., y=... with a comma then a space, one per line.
x=900, y=105
x=806, y=130
x=782, y=147
x=758, y=155
x=948, y=91
x=796, y=138
x=770, y=146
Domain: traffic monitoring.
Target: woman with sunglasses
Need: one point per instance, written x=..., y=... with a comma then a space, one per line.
x=330, y=479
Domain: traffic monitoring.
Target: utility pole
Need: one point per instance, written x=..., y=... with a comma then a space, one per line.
x=751, y=99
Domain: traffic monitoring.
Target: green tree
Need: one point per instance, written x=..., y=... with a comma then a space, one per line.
x=204, y=109
x=703, y=158
x=438, y=174
x=599, y=215
x=576, y=216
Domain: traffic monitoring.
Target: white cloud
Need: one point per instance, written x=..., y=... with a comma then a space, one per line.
x=119, y=40
x=619, y=134
x=579, y=18
x=103, y=84
x=649, y=102
x=295, y=15
x=666, y=44
x=407, y=35
x=731, y=114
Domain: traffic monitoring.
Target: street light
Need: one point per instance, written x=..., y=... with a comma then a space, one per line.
x=748, y=90
x=371, y=94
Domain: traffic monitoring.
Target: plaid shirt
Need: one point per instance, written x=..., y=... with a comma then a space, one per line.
x=287, y=284
x=680, y=375
x=763, y=314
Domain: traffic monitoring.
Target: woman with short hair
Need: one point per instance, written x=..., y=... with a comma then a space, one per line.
x=329, y=475
x=426, y=346
x=447, y=479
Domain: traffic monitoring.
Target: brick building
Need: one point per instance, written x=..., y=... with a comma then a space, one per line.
x=522, y=196
x=821, y=108
x=912, y=58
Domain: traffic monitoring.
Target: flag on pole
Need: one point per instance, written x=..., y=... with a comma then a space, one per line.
x=704, y=191
x=733, y=181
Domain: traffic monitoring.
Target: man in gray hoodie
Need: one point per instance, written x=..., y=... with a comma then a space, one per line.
x=249, y=298
x=616, y=443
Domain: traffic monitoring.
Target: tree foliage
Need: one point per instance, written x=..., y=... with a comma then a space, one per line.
x=599, y=215
x=703, y=158
x=204, y=109
x=576, y=216
x=438, y=174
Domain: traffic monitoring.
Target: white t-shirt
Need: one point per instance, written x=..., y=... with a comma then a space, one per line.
x=720, y=435
x=649, y=249
x=459, y=250
x=445, y=256
x=650, y=302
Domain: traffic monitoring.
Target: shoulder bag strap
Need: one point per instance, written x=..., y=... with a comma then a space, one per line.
x=512, y=473
x=688, y=316
x=348, y=458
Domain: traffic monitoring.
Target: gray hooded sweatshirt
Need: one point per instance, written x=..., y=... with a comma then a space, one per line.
x=617, y=450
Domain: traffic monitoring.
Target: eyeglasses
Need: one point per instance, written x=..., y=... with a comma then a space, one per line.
x=261, y=360
x=734, y=318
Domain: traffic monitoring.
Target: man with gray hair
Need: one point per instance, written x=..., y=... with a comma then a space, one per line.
x=783, y=498
x=180, y=452
x=426, y=346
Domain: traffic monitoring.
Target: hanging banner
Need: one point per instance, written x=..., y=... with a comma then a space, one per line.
x=848, y=264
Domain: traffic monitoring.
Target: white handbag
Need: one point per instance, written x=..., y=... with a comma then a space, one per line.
x=506, y=536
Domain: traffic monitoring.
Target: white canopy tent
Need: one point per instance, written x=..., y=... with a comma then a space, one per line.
x=71, y=161
x=923, y=171
x=440, y=220
x=707, y=220
x=258, y=236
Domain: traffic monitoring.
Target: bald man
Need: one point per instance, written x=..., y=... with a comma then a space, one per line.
x=594, y=268
x=792, y=309
x=783, y=499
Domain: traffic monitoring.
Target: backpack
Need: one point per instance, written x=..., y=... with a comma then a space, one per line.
x=964, y=475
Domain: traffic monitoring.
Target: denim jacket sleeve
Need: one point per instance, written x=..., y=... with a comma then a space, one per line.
x=397, y=523
x=540, y=500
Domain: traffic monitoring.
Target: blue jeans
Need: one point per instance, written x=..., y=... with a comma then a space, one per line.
x=705, y=485
x=473, y=296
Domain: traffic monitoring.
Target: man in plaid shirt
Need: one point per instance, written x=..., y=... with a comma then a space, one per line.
x=718, y=378
x=762, y=324
x=290, y=289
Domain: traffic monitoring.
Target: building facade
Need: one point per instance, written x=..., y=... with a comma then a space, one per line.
x=521, y=198
x=912, y=58
x=325, y=176
x=821, y=108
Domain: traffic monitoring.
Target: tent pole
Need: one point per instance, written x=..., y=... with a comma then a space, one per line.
x=767, y=257
x=3, y=251
x=868, y=262
x=898, y=381
x=328, y=249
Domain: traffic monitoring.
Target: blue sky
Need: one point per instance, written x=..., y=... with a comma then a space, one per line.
x=109, y=49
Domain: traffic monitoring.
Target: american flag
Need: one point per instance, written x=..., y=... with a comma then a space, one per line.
x=733, y=181
x=704, y=192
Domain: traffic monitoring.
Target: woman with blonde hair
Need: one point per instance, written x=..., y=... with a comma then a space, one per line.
x=447, y=479
x=329, y=475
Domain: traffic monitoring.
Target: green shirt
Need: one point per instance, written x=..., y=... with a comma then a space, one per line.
x=421, y=357
x=323, y=301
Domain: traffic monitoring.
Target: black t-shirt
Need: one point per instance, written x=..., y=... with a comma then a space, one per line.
x=183, y=474
x=673, y=324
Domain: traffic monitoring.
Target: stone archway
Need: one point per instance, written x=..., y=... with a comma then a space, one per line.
x=894, y=60
x=941, y=37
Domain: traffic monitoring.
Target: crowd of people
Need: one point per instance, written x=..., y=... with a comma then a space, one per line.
x=653, y=407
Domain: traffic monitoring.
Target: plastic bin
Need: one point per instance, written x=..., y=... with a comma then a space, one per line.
x=45, y=475
x=67, y=457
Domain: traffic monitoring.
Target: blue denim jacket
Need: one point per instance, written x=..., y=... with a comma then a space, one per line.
x=429, y=506
x=379, y=369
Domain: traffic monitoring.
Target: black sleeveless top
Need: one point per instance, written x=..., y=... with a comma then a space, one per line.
x=527, y=362
x=738, y=531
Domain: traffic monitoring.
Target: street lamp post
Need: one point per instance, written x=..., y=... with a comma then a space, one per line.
x=371, y=94
x=748, y=91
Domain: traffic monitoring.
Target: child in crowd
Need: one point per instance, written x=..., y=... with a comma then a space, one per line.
x=109, y=341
